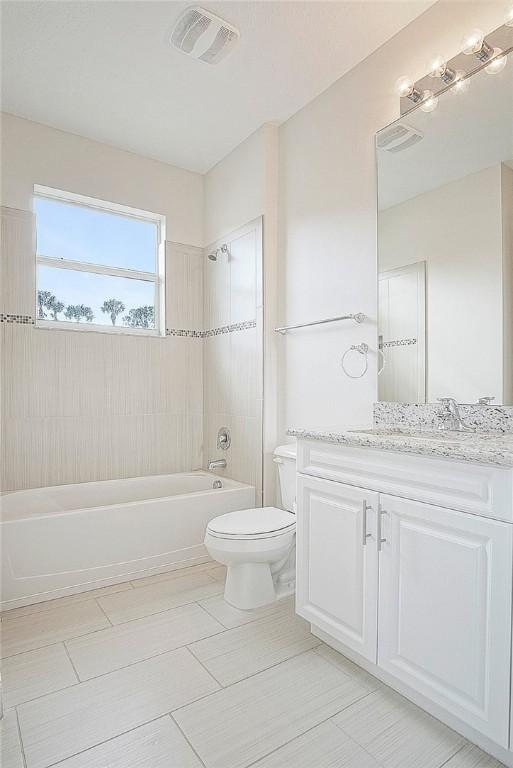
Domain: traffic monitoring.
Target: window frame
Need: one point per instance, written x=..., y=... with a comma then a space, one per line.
x=157, y=277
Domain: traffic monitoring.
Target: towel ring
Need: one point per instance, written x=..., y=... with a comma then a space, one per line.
x=362, y=349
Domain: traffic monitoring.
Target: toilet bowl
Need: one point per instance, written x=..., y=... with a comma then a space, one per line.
x=258, y=545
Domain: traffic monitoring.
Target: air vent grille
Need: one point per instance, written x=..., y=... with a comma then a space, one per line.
x=203, y=35
x=398, y=138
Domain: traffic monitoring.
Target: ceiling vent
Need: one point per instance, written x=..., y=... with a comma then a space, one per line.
x=203, y=35
x=398, y=137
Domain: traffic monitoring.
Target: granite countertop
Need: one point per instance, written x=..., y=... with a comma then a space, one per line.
x=479, y=447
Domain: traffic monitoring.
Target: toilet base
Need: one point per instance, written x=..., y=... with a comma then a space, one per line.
x=249, y=585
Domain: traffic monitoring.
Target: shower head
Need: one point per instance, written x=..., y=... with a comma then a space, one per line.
x=214, y=254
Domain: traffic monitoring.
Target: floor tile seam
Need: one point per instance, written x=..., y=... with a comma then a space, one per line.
x=105, y=741
x=236, y=626
x=300, y=735
x=148, y=658
x=32, y=650
x=253, y=674
x=97, y=601
x=456, y=753
x=238, y=682
x=22, y=748
x=133, y=582
x=189, y=742
x=352, y=675
x=72, y=604
x=71, y=660
x=141, y=618
x=156, y=613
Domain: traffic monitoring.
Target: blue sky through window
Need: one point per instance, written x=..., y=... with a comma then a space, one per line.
x=76, y=232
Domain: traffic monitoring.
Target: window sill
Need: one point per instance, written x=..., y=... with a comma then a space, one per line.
x=65, y=325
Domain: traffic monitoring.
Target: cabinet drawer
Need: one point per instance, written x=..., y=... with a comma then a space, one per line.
x=475, y=488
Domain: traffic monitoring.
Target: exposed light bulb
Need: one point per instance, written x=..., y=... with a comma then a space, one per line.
x=498, y=62
x=437, y=67
x=508, y=21
x=473, y=42
x=460, y=82
x=404, y=86
x=429, y=101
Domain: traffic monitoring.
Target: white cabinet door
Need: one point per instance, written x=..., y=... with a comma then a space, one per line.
x=337, y=561
x=445, y=609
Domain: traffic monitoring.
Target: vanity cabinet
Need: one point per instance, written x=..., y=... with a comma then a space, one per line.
x=333, y=527
x=422, y=591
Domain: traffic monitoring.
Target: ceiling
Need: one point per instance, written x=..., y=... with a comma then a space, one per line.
x=466, y=133
x=105, y=69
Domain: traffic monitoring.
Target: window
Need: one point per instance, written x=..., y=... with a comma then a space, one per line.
x=99, y=264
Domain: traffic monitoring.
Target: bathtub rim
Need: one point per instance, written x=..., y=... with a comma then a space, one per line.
x=235, y=485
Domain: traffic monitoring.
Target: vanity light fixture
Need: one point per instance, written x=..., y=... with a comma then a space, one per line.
x=405, y=87
x=460, y=82
x=475, y=44
x=429, y=101
x=498, y=62
x=438, y=68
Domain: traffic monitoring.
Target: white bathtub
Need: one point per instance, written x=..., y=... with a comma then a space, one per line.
x=71, y=538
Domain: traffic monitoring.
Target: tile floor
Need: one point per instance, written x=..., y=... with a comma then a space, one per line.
x=162, y=673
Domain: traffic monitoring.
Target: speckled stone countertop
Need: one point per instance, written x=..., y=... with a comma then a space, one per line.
x=483, y=448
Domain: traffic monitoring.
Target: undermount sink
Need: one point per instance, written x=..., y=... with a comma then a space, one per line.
x=425, y=434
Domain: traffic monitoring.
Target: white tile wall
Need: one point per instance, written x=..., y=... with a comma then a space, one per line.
x=93, y=406
x=232, y=362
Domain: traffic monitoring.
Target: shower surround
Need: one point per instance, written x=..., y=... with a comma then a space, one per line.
x=79, y=407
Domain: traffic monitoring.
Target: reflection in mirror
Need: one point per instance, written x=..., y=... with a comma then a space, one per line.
x=445, y=235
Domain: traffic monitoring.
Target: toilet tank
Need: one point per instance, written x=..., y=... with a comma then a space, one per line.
x=285, y=458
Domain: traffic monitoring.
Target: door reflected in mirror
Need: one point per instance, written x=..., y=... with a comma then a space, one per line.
x=445, y=242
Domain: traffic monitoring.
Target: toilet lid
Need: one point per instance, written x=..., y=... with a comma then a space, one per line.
x=260, y=521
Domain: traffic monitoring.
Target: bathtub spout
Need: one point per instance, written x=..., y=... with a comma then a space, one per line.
x=216, y=464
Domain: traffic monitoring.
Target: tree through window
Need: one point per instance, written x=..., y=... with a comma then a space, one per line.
x=98, y=264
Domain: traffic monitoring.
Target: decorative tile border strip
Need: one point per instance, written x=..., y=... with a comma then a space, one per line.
x=29, y=320
x=20, y=319
x=212, y=331
x=182, y=332
x=230, y=328
x=397, y=343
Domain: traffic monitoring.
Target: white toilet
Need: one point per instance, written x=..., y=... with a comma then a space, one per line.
x=258, y=545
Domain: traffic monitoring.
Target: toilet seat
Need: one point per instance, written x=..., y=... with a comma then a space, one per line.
x=256, y=523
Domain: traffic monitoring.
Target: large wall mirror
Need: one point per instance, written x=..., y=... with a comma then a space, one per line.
x=445, y=237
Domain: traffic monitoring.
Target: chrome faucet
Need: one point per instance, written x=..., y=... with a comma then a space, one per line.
x=451, y=416
x=216, y=464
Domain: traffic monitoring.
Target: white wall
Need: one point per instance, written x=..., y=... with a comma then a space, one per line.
x=239, y=189
x=79, y=406
x=36, y=154
x=327, y=245
x=507, y=255
x=457, y=230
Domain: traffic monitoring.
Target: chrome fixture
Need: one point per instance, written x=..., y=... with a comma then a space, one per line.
x=362, y=349
x=359, y=317
x=217, y=484
x=439, y=68
x=485, y=400
x=477, y=52
x=451, y=417
x=224, y=438
x=213, y=256
x=216, y=464
x=405, y=88
x=475, y=44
